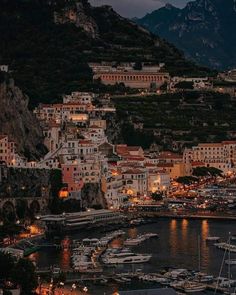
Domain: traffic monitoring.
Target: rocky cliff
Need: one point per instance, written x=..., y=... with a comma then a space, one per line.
x=204, y=29
x=18, y=122
x=92, y=195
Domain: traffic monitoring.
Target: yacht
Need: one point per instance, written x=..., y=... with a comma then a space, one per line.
x=212, y=239
x=192, y=287
x=134, y=242
x=150, y=235
x=125, y=258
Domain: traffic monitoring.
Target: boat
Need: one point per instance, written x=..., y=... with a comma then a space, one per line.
x=151, y=235
x=133, y=242
x=192, y=287
x=126, y=258
x=203, y=278
x=212, y=239
x=140, y=239
x=231, y=261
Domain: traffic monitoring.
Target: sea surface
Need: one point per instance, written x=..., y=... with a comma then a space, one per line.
x=177, y=246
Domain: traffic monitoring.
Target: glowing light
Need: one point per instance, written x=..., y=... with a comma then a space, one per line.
x=63, y=193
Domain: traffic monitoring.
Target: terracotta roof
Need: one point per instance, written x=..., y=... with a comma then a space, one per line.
x=157, y=171
x=133, y=171
x=198, y=163
x=210, y=144
x=133, y=148
x=229, y=142
x=85, y=141
x=150, y=165
x=165, y=165
x=2, y=136
x=169, y=155
x=134, y=158
x=95, y=126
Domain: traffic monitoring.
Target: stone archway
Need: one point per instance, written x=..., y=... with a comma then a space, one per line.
x=34, y=207
x=8, y=211
x=21, y=208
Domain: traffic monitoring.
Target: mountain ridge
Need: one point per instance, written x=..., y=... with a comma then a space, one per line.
x=203, y=29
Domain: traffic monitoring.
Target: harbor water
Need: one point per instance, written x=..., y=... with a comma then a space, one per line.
x=177, y=246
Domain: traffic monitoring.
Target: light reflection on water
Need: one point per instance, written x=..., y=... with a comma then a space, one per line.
x=177, y=245
x=173, y=240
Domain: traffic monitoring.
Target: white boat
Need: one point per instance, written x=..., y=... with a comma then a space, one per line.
x=231, y=261
x=203, y=278
x=150, y=235
x=192, y=287
x=134, y=242
x=126, y=258
x=212, y=239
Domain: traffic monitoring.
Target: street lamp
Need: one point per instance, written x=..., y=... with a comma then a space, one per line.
x=85, y=289
x=73, y=287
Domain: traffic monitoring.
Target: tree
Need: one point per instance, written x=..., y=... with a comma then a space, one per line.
x=21, y=208
x=186, y=180
x=157, y=196
x=184, y=85
x=138, y=66
x=206, y=171
x=24, y=275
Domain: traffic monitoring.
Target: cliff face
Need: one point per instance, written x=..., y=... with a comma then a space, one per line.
x=204, y=29
x=92, y=195
x=18, y=122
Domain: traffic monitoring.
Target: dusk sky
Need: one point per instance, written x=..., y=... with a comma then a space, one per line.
x=132, y=8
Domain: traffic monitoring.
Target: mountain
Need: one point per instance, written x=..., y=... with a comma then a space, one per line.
x=204, y=30
x=48, y=44
x=18, y=122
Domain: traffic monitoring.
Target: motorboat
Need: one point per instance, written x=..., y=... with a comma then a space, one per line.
x=134, y=242
x=212, y=239
x=231, y=261
x=192, y=287
x=140, y=239
x=126, y=258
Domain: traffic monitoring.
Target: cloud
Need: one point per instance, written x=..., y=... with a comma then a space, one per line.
x=132, y=8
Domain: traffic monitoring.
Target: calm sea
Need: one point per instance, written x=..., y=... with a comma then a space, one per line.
x=177, y=246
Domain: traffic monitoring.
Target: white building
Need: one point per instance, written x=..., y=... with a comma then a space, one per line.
x=219, y=155
x=135, y=182
x=4, y=68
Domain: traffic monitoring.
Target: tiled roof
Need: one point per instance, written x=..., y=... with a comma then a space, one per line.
x=2, y=136
x=133, y=171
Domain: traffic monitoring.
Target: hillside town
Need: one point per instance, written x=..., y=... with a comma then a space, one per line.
x=117, y=147
x=75, y=134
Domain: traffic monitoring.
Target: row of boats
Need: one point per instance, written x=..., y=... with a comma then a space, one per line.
x=187, y=281
x=86, y=253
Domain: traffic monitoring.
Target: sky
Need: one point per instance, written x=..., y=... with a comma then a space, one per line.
x=137, y=8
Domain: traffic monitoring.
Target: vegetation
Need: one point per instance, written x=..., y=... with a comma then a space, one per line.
x=157, y=196
x=48, y=59
x=21, y=273
x=184, y=118
x=187, y=180
x=206, y=171
x=184, y=85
